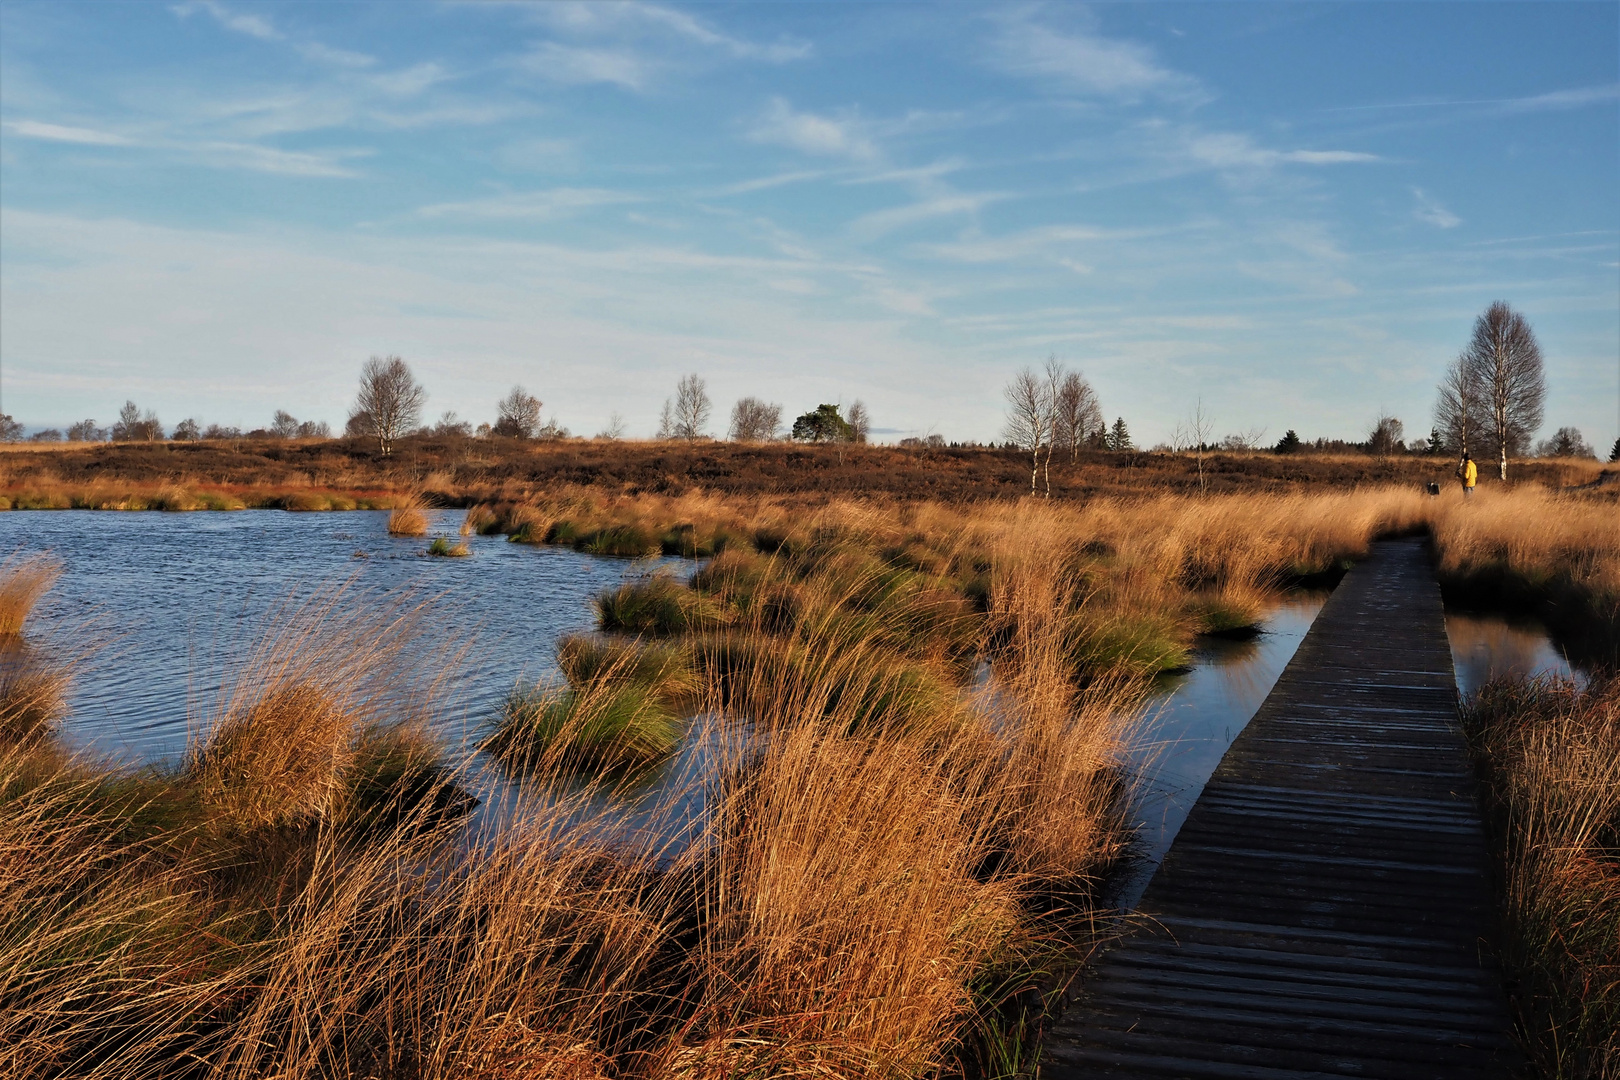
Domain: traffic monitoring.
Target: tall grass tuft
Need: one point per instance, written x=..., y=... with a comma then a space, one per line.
x=23, y=580
x=603, y=724
x=657, y=605
x=1549, y=754
x=282, y=740
x=406, y=518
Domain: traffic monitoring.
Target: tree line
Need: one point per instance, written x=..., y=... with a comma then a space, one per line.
x=389, y=403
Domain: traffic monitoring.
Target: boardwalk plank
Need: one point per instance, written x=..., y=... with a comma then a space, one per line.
x=1325, y=909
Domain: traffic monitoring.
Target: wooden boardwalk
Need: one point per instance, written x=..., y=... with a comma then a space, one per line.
x=1325, y=910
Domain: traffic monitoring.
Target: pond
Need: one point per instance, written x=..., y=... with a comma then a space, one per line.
x=174, y=600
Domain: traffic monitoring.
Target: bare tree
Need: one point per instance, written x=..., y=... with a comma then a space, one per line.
x=1458, y=410
x=753, y=420
x=132, y=426
x=614, y=431
x=1077, y=414
x=1029, y=418
x=517, y=415
x=85, y=431
x=390, y=401
x=688, y=417
x=284, y=425
x=1193, y=434
x=1506, y=365
x=860, y=422
x=1387, y=436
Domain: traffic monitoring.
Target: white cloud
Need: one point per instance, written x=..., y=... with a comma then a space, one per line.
x=1084, y=63
x=551, y=203
x=881, y=222
x=33, y=129
x=1565, y=99
x=251, y=25
x=251, y=156
x=580, y=66
x=408, y=82
x=765, y=183
x=811, y=133
x=263, y=30
x=1430, y=210
x=1235, y=151
x=326, y=54
x=1031, y=242
x=617, y=18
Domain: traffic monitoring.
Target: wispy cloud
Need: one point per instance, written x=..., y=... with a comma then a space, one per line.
x=882, y=222
x=251, y=25
x=266, y=159
x=1564, y=99
x=765, y=183
x=609, y=18
x=34, y=129
x=255, y=26
x=575, y=66
x=1083, y=63
x=811, y=133
x=551, y=203
x=1029, y=243
x=1575, y=98
x=1429, y=209
x=1236, y=151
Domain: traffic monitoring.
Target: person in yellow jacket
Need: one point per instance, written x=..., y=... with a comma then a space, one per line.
x=1469, y=473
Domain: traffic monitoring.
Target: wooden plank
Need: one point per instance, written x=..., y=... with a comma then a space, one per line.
x=1325, y=909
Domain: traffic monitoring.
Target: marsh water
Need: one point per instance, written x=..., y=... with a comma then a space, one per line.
x=173, y=601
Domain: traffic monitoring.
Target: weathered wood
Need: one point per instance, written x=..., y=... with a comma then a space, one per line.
x=1325, y=909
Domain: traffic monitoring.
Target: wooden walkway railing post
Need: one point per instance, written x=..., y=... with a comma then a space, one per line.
x=1325, y=910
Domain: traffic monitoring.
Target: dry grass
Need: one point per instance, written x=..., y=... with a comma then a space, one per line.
x=407, y=519
x=1550, y=757
x=23, y=580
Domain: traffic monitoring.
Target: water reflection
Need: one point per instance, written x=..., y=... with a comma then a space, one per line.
x=1190, y=722
x=1485, y=647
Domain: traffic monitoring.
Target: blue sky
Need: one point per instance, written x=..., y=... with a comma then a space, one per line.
x=1291, y=212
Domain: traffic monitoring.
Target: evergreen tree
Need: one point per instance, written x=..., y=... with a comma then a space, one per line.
x=1119, y=438
x=823, y=425
x=1289, y=443
x=1614, y=455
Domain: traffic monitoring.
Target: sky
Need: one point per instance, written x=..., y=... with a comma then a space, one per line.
x=1288, y=214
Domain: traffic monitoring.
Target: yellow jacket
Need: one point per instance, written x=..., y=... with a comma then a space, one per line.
x=1470, y=473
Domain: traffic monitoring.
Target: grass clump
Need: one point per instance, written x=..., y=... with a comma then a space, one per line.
x=606, y=724
x=657, y=606
x=1549, y=754
x=663, y=669
x=22, y=582
x=629, y=541
x=443, y=548
x=407, y=519
x=33, y=692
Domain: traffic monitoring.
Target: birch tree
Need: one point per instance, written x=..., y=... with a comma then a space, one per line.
x=753, y=420
x=1506, y=367
x=1077, y=414
x=1458, y=409
x=1029, y=419
x=389, y=403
